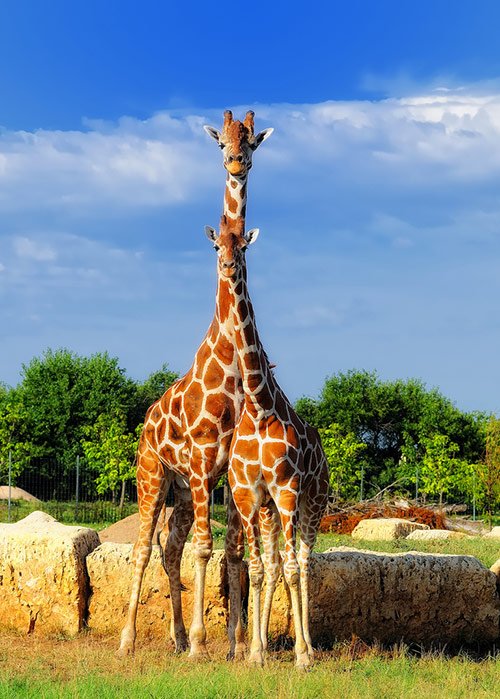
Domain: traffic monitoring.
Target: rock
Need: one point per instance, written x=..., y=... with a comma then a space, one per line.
x=411, y=597
x=385, y=529
x=43, y=578
x=110, y=572
x=493, y=534
x=435, y=534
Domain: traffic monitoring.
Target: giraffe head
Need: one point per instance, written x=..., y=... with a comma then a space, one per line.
x=230, y=244
x=238, y=142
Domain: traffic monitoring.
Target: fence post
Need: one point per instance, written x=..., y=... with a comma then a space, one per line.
x=474, y=495
x=10, y=486
x=361, y=487
x=77, y=486
x=416, y=486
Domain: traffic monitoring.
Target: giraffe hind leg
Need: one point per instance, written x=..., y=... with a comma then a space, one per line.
x=179, y=526
x=153, y=488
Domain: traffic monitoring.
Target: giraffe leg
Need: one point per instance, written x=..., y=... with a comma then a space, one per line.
x=179, y=526
x=152, y=486
x=312, y=510
x=288, y=512
x=246, y=501
x=235, y=549
x=270, y=529
x=202, y=545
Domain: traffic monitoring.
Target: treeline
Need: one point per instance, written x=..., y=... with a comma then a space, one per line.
x=399, y=434
x=67, y=405
x=376, y=434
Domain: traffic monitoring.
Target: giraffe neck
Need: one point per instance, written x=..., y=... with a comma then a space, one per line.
x=259, y=384
x=235, y=197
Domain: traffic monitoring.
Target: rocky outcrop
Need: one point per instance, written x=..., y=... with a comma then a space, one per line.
x=110, y=572
x=385, y=529
x=43, y=579
x=412, y=597
x=435, y=534
x=493, y=534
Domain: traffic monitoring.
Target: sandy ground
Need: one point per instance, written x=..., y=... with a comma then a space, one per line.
x=16, y=494
x=126, y=530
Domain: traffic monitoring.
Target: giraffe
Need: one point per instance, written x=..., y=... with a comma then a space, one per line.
x=187, y=433
x=277, y=468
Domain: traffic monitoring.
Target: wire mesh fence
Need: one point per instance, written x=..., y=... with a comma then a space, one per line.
x=69, y=493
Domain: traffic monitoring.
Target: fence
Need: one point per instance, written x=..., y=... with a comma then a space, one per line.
x=68, y=492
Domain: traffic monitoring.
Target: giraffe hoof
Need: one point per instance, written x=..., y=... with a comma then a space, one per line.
x=256, y=658
x=125, y=651
x=303, y=662
x=198, y=655
x=237, y=656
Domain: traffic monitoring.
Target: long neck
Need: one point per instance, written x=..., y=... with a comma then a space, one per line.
x=256, y=374
x=235, y=197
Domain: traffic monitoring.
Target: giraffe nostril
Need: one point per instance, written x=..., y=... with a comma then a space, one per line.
x=239, y=158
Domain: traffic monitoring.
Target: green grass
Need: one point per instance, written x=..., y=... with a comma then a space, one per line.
x=88, y=668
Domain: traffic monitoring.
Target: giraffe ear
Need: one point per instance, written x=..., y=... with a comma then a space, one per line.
x=213, y=133
x=261, y=137
x=251, y=236
x=211, y=233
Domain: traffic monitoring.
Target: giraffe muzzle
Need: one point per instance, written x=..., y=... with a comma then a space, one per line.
x=234, y=167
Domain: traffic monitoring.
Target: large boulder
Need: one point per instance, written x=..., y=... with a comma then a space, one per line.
x=43, y=578
x=493, y=534
x=435, y=535
x=385, y=529
x=412, y=597
x=110, y=572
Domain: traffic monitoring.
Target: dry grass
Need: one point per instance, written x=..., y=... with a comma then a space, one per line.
x=88, y=667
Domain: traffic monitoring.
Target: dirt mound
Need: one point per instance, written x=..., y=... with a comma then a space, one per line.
x=16, y=494
x=344, y=521
x=126, y=530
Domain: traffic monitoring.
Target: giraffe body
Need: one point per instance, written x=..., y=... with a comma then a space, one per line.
x=277, y=468
x=187, y=434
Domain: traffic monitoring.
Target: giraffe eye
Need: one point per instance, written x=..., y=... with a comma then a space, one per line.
x=244, y=248
x=216, y=248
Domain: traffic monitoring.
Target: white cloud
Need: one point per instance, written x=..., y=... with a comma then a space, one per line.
x=28, y=248
x=167, y=160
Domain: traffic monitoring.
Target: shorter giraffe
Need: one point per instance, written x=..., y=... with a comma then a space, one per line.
x=277, y=467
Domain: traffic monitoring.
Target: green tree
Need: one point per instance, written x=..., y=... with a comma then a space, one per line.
x=109, y=449
x=442, y=470
x=13, y=435
x=343, y=452
x=387, y=416
x=489, y=469
x=63, y=393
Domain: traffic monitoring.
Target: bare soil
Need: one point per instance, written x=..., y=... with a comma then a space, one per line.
x=126, y=530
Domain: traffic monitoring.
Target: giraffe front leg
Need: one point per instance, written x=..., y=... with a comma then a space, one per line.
x=288, y=514
x=235, y=550
x=202, y=545
x=270, y=530
x=178, y=529
x=246, y=501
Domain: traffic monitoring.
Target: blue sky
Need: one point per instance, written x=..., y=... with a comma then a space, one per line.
x=377, y=196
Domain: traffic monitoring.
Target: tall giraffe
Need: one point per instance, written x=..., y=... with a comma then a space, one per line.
x=276, y=462
x=187, y=433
